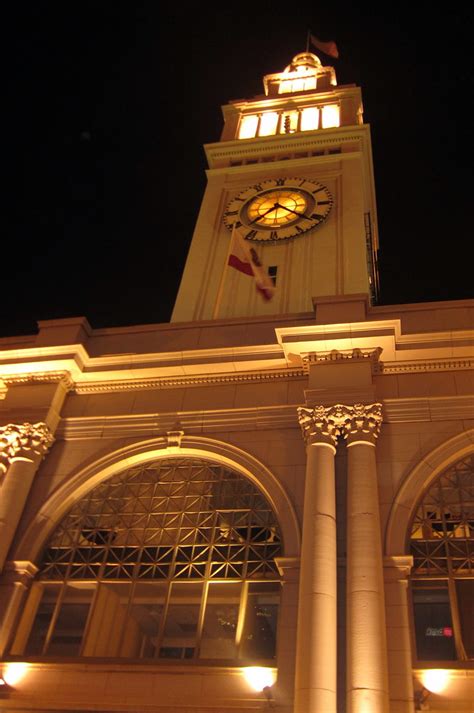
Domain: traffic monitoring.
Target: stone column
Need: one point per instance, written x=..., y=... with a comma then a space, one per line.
x=397, y=570
x=316, y=652
x=22, y=448
x=367, y=678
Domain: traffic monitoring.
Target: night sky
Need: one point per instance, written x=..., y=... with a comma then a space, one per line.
x=108, y=106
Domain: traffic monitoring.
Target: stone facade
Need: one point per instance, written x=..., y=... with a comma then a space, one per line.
x=342, y=417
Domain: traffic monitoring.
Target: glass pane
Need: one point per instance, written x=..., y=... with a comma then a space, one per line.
x=248, y=126
x=309, y=118
x=111, y=632
x=465, y=592
x=146, y=615
x=268, y=123
x=220, y=621
x=182, y=619
x=259, y=634
x=433, y=624
x=42, y=620
x=70, y=624
x=330, y=116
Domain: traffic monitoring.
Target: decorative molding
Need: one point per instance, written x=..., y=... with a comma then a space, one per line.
x=40, y=377
x=318, y=424
x=173, y=382
x=174, y=438
x=25, y=440
x=410, y=367
x=19, y=572
x=336, y=355
x=402, y=564
x=3, y=389
x=324, y=424
x=278, y=143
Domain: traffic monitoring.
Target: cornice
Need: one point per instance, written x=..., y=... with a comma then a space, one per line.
x=42, y=377
x=90, y=382
x=456, y=408
x=174, y=382
x=413, y=367
x=269, y=144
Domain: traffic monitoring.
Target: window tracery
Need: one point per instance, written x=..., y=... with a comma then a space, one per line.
x=442, y=545
x=169, y=559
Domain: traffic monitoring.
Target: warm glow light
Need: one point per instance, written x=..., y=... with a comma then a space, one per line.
x=435, y=679
x=248, y=126
x=330, y=116
x=259, y=677
x=13, y=672
x=268, y=123
x=309, y=118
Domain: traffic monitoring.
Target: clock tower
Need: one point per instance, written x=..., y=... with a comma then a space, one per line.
x=293, y=174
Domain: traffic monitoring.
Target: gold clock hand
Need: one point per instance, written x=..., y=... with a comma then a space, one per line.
x=259, y=217
x=300, y=215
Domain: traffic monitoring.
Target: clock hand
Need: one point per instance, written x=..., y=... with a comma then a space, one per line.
x=259, y=217
x=300, y=215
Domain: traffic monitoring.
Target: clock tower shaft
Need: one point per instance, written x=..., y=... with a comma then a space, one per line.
x=305, y=131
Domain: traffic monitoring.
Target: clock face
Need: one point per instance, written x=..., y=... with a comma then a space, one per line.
x=279, y=209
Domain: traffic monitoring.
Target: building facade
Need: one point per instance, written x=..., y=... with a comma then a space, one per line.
x=280, y=489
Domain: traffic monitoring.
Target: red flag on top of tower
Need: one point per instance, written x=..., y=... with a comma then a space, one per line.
x=243, y=257
x=329, y=48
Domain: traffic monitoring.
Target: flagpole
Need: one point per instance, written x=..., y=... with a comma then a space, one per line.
x=308, y=35
x=220, y=291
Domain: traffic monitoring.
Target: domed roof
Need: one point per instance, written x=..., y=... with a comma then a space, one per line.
x=304, y=59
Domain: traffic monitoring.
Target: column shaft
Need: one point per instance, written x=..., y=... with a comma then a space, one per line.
x=316, y=661
x=367, y=679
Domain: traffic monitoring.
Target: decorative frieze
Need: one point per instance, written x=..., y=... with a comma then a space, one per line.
x=324, y=424
x=23, y=441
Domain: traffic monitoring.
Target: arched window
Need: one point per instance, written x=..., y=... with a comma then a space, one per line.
x=171, y=559
x=442, y=545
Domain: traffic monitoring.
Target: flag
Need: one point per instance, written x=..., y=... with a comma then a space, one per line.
x=328, y=48
x=243, y=257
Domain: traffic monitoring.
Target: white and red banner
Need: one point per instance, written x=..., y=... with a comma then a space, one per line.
x=243, y=257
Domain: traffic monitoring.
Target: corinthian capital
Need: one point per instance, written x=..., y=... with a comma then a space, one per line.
x=318, y=424
x=362, y=422
x=324, y=424
x=23, y=441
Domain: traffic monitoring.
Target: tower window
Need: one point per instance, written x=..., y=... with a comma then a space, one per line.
x=330, y=116
x=248, y=126
x=268, y=123
x=309, y=118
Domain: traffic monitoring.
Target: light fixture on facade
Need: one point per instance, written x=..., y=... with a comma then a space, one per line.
x=434, y=680
x=261, y=679
x=13, y=672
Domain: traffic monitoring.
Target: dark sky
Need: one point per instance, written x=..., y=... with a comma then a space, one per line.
x=108, y=105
